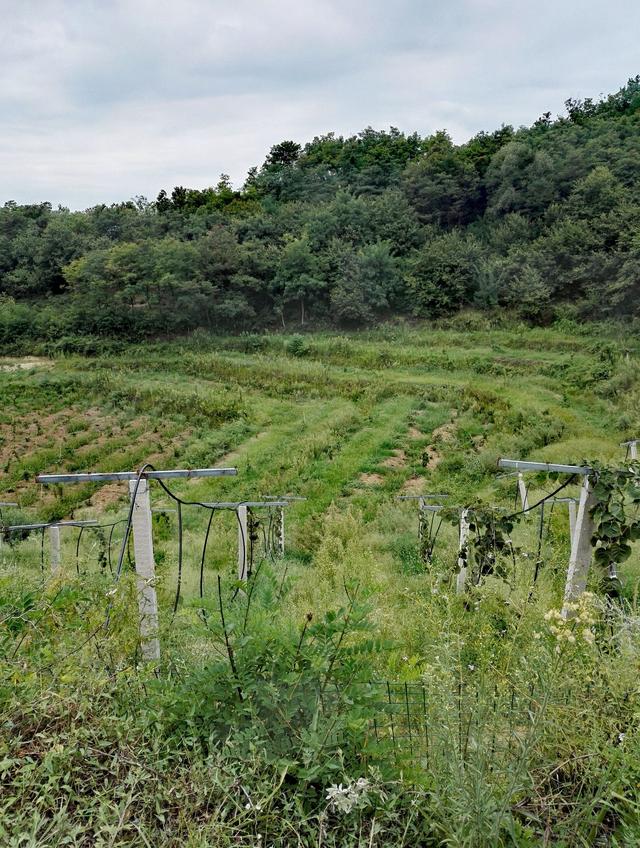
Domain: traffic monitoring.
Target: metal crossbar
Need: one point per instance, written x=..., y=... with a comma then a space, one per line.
x=250, y=504
x=100, y=477
x=419, y=497
x=45, y=525
x=522, y=465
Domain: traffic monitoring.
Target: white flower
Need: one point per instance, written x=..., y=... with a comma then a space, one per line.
x=471, y=667
x=345, y=798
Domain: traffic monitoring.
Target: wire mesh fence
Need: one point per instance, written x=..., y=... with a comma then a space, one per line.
x=419, y=720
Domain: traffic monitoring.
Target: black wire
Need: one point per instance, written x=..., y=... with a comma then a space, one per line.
x=78, y=552
x=125, y=539
x=204, y=551
x=42, y=549
x=553, y=505
x=539, y=555
x=183, y=502
x=567, y=482
x=435, y=537
x=179, y=584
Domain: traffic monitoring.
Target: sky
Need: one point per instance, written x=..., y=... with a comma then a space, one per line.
x=105, y=100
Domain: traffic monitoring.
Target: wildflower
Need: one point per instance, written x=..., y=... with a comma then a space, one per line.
x=471, y=667
x=621, y=737
x=345, y=798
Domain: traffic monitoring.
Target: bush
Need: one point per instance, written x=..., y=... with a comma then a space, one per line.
x=298, y=346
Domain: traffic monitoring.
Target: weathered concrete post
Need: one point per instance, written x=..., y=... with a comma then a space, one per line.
x=522, y=488
x=145, y=569
x=421, y=528
x=281, y=531
x=243, y=543
x=54, y=541
x=463, y=552
x=580, y=560
x=572, y=519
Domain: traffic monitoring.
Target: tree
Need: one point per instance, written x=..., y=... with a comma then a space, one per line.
x=442, y=275
x=530, y=296
x=442, y=186
x=298, y=275
x=364, y=282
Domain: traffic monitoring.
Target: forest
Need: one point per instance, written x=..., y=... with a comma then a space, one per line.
x=542, y=223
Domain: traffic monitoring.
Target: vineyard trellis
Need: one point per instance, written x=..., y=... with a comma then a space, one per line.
x=139, y=522
x=54, y=536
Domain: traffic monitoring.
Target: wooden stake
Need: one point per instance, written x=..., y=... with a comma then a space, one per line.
x=463, y=552
x=145, y=570
x=580, y=560
x=243, y=543
x=54, y=540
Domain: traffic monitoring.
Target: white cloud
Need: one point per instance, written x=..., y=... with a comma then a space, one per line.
x=105, y=99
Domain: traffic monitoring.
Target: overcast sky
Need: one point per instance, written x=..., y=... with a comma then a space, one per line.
x=102, y=100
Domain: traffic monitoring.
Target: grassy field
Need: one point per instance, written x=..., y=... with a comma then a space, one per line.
x=349, y=663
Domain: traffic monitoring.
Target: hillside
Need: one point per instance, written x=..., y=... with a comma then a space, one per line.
x=344, y=695
x=542, y=222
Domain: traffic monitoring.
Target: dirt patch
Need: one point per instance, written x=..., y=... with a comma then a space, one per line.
x=434, y=458
x=372, y=479
x=414, y=433
x=440, y=435
x=398, y=460
x=445, y=433
x=413, y=486
x=109, y=494
x=27, y=363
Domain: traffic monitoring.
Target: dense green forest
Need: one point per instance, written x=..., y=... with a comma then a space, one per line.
x=543, y=222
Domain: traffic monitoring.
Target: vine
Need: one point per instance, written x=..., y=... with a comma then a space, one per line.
x=616, y=496
x=489, y=539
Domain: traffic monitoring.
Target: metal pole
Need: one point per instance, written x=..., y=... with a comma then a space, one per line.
x=103, y=477
x=145, y=570
x=524, y=465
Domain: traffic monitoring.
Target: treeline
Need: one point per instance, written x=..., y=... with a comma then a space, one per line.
x=542, y=221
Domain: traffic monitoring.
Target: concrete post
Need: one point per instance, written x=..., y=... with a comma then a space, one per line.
x=522, y=488
x=243, y=543
x=281, y=531
x=572, y=519
x=54, y=540
x=145, y=570
x=463, y=552
x=580, y=560
x=421, y=527
x=633, y=450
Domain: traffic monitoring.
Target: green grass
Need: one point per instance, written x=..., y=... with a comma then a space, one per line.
x=523, y=738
